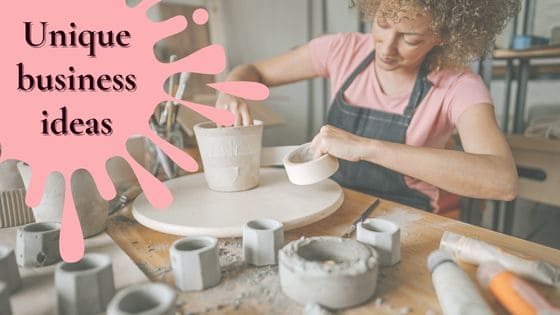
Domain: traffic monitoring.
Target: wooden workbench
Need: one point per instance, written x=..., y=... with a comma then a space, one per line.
x=251, y=290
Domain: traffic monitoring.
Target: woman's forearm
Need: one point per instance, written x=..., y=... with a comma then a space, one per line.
x=246, y=72
x=471, y=175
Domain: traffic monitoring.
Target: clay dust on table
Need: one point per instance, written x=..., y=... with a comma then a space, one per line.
x=106, y=92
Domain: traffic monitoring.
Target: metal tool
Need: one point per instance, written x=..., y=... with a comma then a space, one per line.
x=124, y=197
x=362, y=217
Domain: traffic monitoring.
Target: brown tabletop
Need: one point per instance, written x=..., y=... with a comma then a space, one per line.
x=245, y=289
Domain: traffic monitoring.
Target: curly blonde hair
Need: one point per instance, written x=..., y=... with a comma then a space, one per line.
x=466, y=27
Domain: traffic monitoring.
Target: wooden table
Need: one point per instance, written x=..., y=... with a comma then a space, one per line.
x=250, y=290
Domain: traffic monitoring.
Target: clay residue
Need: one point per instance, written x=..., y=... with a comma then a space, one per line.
x=242, y=288
x=401, y=217
x=302, y=154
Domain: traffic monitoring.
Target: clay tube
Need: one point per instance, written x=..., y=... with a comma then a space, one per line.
x=516, y=295
x=456, y=293
x=475, y=252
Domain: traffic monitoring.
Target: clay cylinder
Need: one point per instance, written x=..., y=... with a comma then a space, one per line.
x=231, y=156
x=145, y=299
x=261, y=241
x=37, y=244
x=90, y=206
x=195, y=263
x=84, y=287
x=5, y=307
x=330, y=271
x=384, y=236
x=9, y=272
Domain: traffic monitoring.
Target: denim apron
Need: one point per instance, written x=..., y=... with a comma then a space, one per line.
x=370, y=123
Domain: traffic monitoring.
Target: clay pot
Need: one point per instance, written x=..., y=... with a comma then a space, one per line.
x=146, y=299
x=37, y=244
x=261, y=241
x=91, y=207
x=195, y=263
x=9, y=272
x=9, y=177
x=231, y=156
x=384, y=236
x=5, y=307
x=84, y=287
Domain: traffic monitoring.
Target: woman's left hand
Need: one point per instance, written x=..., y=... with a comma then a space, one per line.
x=338, y=143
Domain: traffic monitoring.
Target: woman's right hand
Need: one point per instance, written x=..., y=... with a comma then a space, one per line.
x=238, y=107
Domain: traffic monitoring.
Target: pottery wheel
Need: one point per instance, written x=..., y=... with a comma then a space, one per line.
x=197, y=210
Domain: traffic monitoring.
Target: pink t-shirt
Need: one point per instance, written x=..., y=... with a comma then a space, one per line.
x=337, y=56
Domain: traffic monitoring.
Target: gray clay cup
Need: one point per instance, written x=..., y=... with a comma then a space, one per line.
x=262, y=239
x=37, y=244
x=145, y=299
x=195, y=263
x=9, y=272
x=5, y=307
x=84, y=287
x=384, y=236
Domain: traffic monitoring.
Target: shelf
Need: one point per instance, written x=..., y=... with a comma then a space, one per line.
x=536, y=52
x=537, y=71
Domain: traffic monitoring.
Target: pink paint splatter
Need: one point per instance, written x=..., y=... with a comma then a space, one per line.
x=21, y=112
x=200, y=16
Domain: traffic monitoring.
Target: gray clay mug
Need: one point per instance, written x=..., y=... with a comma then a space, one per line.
x=195, y=263
x=84, y=287
x=145, y=299
x=262, y=239
x=37, y=244
x=9, y=272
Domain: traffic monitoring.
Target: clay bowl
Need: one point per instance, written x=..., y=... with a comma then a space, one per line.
x=330, y=271
x=302, y=169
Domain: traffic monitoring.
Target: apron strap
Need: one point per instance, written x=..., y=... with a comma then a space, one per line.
x=361, y=67
x=421, y=88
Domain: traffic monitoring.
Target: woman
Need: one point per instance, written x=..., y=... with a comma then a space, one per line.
x=398, y=93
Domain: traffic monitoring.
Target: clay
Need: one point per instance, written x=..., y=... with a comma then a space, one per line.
x=456, y=293
x=261, y=241
x=84, y=287
x=195, y=263
x=231, y=156
x=302, y=169
x=384, y=236
x=330, y=271
x=5, y=307
x=9, y=272
x=475, y=251
x=9, y=177
x=315, y=309
x=90, y=206
x=145, y=299
x=37, y=244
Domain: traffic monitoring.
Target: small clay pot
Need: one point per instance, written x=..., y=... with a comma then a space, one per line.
x=37, y=244
x=231, y=156
x=261, y=241
x=84, y=287
x=5, y=307
x=145, y=299
x=9, y=272
x=384, y=236
x=195, y=263
x=330, y=271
